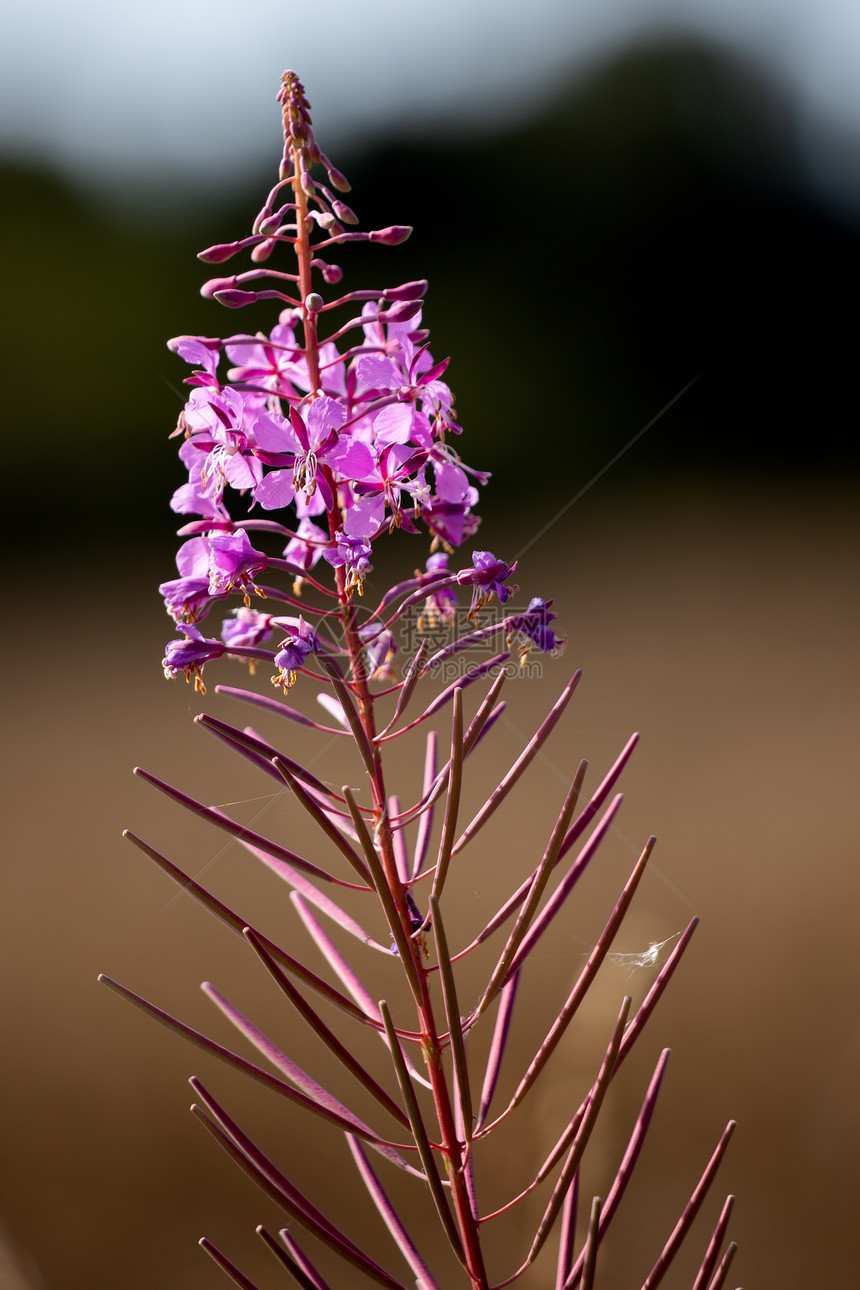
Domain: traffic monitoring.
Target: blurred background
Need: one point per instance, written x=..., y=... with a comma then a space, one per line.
x=640, y=226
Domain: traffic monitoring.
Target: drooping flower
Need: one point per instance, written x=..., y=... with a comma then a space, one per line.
x=487, y=578
x=354, y=553
x=534, y=625
x=233, y=563
x=440, y=606
x=380, y=648
x=293, y=650
x=189, y=654
x=247, y=627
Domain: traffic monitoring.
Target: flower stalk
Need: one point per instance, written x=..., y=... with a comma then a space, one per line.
x=344, y=439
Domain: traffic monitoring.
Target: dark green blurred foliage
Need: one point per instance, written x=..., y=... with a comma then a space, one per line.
x=651, y=225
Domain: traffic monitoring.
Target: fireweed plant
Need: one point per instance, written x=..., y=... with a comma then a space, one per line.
x=329, y=438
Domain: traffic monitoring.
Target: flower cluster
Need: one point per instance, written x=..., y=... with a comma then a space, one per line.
x=324, y=441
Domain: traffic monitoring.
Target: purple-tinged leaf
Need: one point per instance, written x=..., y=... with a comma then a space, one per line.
x=452, y=800
x=407, y=688
x=446, y=695
x=402, y=940
x=237, y=924
x=520, y=765
x=226, y=1266
x=222, y=821
x=434, y=788
x=497, y=1047
x=567, y=1236
x=585, y=979
x=425, y=823
x=311, y=893
x=277, y=707
x=576, y=830
x=328, y=1037
x=592, y=1240
x=452, y=1017
x=322, y=822
x=240, y=1063
x=419, y=1133
x=581, y=1134
x=338, y=680
x=286, y=1260
x=565, y=887
x=262, y=753
x=599, y=796
x=723, y=1270
x=485, y=710
x=267, y=1176
x=628, y=1161
x=691, y=1209
x=424, y=1281
x=348, y=977
x=712, y=1253
x=284, y=1064
x=573, y=1140
x=398, y=841
x=293, y=1248
x=243, y=747
x=649, y=1003
x=536, y=889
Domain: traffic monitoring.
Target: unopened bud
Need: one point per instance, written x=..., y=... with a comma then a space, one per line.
x=314, y=302
x=216, y=284
x=270, y=224
x=219, y=253
x=263, y=251
x=235, y=299
x=401, y=312
x=323, y=219
x=391, y=236
x=332, y=273
x=337, y=180
x=343, y=212
x=409, y=291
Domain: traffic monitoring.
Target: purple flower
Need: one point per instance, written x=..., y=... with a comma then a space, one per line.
x=355, y=553
x=233, y=562
x=293, y=650
x=534, y=624
x=189, y=597
x=276, y=363
x=486, y=578
x=379, y=489
x=439, y=607
x=451, y=523
x=189, y=654
x=379, y=647
x=246, y=627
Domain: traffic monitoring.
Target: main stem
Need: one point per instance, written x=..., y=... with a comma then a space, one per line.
x=452, y=1148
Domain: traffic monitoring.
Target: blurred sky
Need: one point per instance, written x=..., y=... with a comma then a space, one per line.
x=109, y=92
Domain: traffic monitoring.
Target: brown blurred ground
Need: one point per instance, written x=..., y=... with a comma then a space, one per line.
x=723, y=624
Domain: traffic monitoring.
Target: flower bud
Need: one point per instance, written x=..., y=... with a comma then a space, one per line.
x=409, y=291
x=401, y=312
x=209, y=288
x=263, y=251
x=219, y=253
x=235, y=299
x=270, y=224
x=391, y=236
x=314, y=302
x=337, y=180
x=344, y=213
x=332, y=273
